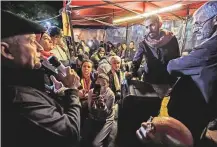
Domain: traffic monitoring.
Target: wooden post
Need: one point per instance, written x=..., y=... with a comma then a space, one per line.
x=68, y=10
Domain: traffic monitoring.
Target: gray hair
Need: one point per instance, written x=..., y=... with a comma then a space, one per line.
x=12, y=41
x=104, y=68
x=116, y=58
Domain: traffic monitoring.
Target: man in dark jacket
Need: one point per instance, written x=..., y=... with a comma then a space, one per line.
x=158, y=47
x=130, y=52
x=194, y=98
x=30, y=117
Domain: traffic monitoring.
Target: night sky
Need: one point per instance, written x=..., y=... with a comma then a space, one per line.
x=14, y=6
x=55, y=4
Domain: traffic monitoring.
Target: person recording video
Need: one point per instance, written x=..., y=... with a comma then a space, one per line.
x=100, y=122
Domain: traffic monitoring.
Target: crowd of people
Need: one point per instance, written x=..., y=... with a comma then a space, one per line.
x=42, y=107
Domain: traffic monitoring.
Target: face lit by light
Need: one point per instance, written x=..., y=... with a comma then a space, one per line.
x=152, y=28
x=116, y=65
x=86, y=68
x=202, y=27
x=27, y=53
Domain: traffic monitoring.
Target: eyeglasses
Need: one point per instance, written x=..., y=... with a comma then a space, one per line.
x=199, y=25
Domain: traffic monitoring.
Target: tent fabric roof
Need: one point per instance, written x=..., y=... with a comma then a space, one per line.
x=102, y=11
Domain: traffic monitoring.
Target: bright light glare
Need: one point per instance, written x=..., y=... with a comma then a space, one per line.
x=90, y=43
x=47, y=24
x=166, y=9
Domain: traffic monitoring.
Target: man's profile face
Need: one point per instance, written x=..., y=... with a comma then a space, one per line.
x=27, y=52
x=202, y=27
x=46, y=42
x=152, y=28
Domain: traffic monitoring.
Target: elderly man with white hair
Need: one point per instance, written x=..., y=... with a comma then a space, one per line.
x=116, y=76
x=193, y=100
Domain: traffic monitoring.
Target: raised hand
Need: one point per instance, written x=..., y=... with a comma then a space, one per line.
x=71, y=80
x=56, y=84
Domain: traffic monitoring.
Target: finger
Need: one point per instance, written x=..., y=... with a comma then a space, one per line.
x=139, y=135
x=144, y=124
x=68, y=70
x=60, y=76
x=150, y=135
x=53, y=79
x=143, y=132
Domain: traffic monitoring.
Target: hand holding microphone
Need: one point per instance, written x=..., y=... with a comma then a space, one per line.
x=57, y=86
x=67, y=76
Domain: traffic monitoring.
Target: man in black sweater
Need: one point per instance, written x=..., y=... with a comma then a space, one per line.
x=158, y=47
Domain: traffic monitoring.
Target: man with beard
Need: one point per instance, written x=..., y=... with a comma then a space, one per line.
x=30, y=117
x=194, y=98
x=158, y=47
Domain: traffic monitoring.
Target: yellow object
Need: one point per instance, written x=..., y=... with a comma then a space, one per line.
x=163, y=109
x=66, y=25
x=157, y=11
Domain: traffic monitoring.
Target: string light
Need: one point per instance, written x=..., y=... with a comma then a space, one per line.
x=54, y=16
x=48, y=18
x=162, y=10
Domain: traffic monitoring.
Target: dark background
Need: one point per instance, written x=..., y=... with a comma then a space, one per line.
x=36, y=10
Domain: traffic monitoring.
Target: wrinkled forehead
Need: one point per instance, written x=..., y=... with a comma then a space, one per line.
x=26, y=37
x=205, y=12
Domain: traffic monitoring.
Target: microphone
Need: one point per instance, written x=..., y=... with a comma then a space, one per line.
x=57, y=64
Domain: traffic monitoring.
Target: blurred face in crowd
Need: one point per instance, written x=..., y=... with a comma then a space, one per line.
x=116, y=64
x=86, y=69
x=83, y=43
x=102, y=82
x=102, y=52
x=131, y=46
x=80, y=51
x=124, y=46
x=23, y=50
x=203, y=27
x=46, y=42
x=119, y=47
x=152, y=27
x=58, y=39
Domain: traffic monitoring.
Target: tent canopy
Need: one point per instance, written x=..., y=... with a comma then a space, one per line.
x=83, y=12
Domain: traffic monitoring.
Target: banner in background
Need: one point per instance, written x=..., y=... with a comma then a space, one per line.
x=66, y=25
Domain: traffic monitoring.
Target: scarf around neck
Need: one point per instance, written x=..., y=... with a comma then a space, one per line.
x=165, y=37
